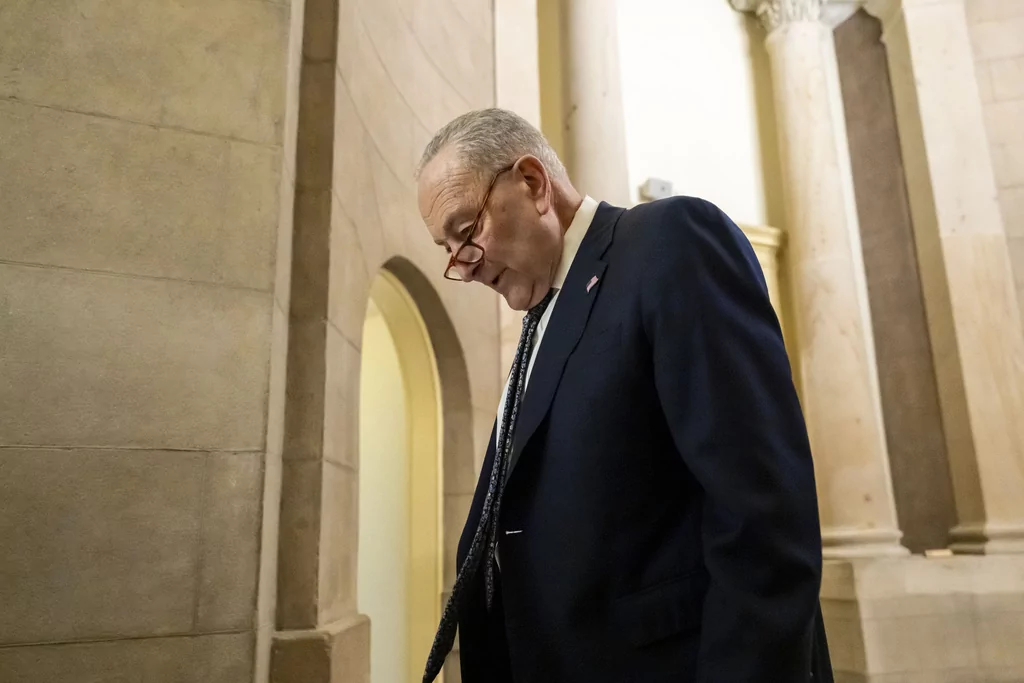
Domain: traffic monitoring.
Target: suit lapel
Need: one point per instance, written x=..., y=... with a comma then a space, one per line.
x=572, y=310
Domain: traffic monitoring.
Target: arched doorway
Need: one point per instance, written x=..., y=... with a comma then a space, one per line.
x=400, y=559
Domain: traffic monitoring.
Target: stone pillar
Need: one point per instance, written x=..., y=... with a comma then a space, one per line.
x=966, y=276
x=594, y=126
x=831, y=319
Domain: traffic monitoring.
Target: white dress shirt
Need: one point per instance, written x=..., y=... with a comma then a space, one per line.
x=570, y=245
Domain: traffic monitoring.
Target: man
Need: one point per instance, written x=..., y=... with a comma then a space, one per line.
x=646, y=510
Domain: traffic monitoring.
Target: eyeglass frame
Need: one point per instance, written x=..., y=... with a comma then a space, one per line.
x=454, y=259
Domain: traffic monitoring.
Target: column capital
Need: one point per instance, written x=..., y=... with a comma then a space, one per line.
x=776, y=13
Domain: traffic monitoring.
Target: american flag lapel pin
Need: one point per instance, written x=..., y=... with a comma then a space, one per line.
x=590, y=285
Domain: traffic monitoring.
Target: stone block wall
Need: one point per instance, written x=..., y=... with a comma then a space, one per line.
x=997, y=34
x=372, y=82
x=917, y=620
x=140, y=155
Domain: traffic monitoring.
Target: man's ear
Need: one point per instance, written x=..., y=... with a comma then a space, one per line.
x=537, y=180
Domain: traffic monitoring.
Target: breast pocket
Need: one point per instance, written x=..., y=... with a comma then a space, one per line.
x=661, y=611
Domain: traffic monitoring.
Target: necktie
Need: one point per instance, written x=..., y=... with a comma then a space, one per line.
x=485, y=538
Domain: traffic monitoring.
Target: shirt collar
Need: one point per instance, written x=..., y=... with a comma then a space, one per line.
x=573, y=238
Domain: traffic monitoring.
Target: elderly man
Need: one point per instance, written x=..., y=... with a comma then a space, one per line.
x=646, y=510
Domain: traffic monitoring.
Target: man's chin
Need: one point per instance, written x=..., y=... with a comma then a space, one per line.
x=516, y=304
x=519, y=298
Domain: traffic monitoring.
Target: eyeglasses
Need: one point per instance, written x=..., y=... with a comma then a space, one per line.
x=470, y=253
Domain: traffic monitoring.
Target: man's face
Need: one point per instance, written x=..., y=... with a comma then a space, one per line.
x=518, y=229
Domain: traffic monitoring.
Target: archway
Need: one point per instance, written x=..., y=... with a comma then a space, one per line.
x=400, y=561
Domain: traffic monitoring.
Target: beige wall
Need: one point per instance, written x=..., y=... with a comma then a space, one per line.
x=997, y=33
x=549, y=50
x=138, y=216
x=191, y=213
x=699, y=112
x=377, y=79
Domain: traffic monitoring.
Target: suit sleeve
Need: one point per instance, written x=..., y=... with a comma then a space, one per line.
x=724, y=383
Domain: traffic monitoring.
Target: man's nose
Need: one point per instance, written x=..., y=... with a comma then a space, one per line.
x=468, y=271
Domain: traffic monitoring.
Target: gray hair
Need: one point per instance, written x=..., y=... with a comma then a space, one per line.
x=488, y=140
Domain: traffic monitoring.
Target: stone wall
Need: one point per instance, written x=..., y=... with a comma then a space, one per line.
x=910, y=403
x=193, y=202
x=374, y=81
x=997, y=34
x=141, y=154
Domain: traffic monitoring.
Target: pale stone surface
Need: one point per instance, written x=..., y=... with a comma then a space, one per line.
x=594, y=127
x=973, y=312
x=516, y=58
x=1008, y=79
x=292, y=87
x=1003, y=122
x=488, y=377
x=432, y=97
x=266, y=591
x=459, y=433
x=355, y=196
x=341, y=401
x=456, y=510
x=457, y=36
x=349, y=287
x=384, y=114
x=1008, y=163
x=993, y=10
x=278, y=378
x=135, y=528
x=1011, y=201
x=122, y=362
x=298, y=545
x=337, y=652
x=138, y=210
x=339, y=533
x=217, y=658
x=998, y=39
x=206, y=212
x=301, y=659
x=97, y=544
x=1000, y=69
x=303, y=414
x=229, y=554
x=211, y=67
x=831, y=316
x=398, y=212
x=927, y=620
x=270, y=519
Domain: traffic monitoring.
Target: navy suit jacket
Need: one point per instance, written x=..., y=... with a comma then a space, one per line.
x=661, y=488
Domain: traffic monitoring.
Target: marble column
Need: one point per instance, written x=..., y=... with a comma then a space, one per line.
x=594, y=128
x=835, y=355
x=966, y=275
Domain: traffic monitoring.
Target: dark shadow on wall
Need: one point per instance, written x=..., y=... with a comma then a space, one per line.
x=910, y=401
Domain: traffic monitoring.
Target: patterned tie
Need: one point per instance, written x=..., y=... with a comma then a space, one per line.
x=485, y=539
